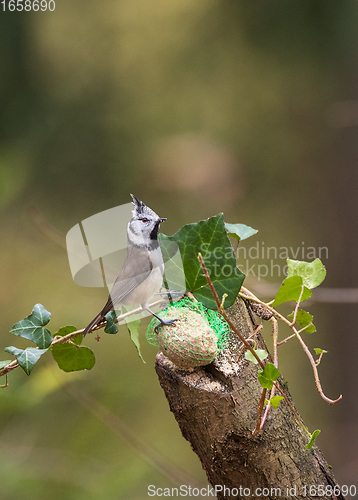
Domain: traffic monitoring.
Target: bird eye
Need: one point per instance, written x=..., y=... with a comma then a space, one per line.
x=145, y=220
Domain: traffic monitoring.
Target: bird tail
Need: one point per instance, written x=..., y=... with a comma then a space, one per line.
x=93, y=323
x=100, y=316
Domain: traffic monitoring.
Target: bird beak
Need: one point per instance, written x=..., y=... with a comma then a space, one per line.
x=162, y=219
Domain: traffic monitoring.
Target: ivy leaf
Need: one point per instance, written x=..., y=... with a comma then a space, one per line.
x=268, y=375
x=312, y=273
x=275, y=401
x=313, y=439
x=319, y=351
x=291, y=290
x=65, y=330
x=239, y=231
x=111, y=326
x=262, y=354
x=133, y=328
x=210, y=238
x=26, y=358
x=71, y=357
x=77, y=339
x=304, y=319
x=32, y=327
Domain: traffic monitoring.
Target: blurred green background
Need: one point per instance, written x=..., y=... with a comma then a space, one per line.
x=250, y=108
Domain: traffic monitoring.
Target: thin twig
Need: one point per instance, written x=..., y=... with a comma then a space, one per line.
x=60, y=340
x=297, y=306
x=292, y=409
x=260, y=408
x=65, y=338
x=6, y=383
x=275, y=362
x=286, y=339
x=223, y=312
x=250, y=338
x=320, y=358
x=275, y=337
x=294, y=335
x=305, y=348
x=235, y=330
x=305, y=327
x=8, y=368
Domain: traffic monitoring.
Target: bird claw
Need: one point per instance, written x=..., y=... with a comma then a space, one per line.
x=166, y=323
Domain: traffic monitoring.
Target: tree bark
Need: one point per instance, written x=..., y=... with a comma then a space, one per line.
x=216, y=409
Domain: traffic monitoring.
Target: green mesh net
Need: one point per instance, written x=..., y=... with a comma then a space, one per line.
x=188, y=341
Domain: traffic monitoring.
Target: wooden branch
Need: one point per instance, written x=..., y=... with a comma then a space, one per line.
x=61, y=340
x=216, y=409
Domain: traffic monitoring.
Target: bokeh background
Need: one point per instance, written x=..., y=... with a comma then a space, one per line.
x=249, y=108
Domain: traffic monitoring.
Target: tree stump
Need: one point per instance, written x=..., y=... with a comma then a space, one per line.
x=216, y=409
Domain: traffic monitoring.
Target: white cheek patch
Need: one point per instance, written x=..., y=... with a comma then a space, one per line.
x=136, y=239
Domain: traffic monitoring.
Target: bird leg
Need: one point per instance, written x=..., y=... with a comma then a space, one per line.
x=162, y=321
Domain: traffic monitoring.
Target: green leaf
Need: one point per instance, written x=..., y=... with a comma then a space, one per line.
x=77, y=339
x=111, y=326
x=133, y=328
x=291, y=290
x=319, y=351
x=32, y=327
x=65, y=330
x=269, y=374
x=71, y=357
x=312, y=273
x=304, y=318
x=275, y=401
x=239, y=231
x=313, y=439
x=26, y=358
x=208, y=237
x=261, y=353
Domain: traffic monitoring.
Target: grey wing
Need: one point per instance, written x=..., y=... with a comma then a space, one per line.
x=136, y=268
